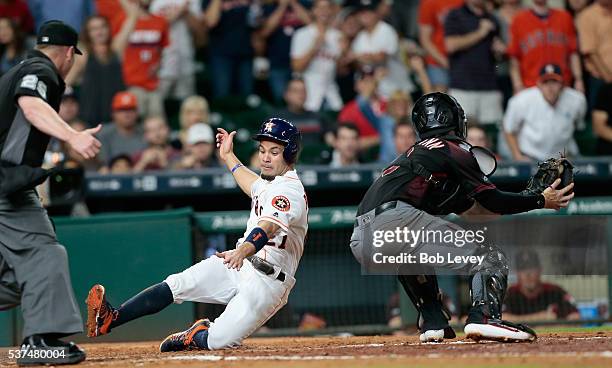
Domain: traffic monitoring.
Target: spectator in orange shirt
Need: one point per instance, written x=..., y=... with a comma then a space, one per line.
x=142, y=55
x=542, y=35
x=432, y=14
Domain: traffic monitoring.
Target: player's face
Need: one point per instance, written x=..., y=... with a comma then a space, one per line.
x=271, y=159
x=529, y=278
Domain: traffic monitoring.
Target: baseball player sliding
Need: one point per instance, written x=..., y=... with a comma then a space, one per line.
x=255, y=278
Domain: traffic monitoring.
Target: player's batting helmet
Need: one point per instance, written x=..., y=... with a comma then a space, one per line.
x=283, y=132
x=438, y=113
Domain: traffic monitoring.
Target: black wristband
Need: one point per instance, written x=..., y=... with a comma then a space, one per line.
x=258, y=238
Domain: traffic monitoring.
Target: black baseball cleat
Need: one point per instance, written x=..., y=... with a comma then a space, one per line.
x=493, y=329
x=39, y=350
x=184, y=340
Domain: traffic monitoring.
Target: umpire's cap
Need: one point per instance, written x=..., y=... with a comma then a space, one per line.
x=281, y=131
x=56, y=32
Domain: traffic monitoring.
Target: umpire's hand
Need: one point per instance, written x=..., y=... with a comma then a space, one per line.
x=85, y=143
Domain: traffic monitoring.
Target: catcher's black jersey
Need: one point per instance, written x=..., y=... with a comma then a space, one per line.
x=20, y=141
x=437, y=175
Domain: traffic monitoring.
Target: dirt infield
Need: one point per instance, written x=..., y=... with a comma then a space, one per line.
x=550, y=350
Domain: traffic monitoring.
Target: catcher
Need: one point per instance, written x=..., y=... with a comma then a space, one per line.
x=439, y=175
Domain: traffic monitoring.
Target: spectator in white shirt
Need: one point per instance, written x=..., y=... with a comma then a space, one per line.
x=540, y=121
x=377, y=44
x=315, y=49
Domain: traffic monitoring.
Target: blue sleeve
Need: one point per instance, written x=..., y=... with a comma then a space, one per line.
x=91, y=9
x=34, y=6
x=366, y=109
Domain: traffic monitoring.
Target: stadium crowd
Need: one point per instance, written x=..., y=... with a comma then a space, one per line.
x=534, y=79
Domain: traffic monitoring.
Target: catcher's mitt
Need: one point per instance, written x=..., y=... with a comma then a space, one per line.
x=549, y=171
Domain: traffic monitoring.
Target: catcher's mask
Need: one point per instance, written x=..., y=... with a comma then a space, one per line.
x=436, y=114
x=283, y=132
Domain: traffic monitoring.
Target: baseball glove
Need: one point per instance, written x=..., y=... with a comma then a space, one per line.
x=549, y=171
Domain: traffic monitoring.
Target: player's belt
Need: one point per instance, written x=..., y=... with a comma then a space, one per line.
x=266, y=267
x=380, y=209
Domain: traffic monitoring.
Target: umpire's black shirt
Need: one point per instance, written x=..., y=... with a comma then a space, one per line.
x=20, y=142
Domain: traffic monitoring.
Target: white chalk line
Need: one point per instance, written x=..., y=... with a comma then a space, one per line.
x=214, y=358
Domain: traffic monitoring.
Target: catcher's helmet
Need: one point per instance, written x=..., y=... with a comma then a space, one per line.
x=438, y=113
x=283, y=132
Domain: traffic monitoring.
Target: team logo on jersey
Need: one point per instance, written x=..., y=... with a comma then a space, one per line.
x=281, y=203
x=432, y=143
x=268, y=127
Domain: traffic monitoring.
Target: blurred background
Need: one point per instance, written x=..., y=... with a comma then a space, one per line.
x=534, y=77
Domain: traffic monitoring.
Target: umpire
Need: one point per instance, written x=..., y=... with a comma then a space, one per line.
x=33, y=265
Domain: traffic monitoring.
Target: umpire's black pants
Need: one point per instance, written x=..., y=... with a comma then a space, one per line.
x=34, y=268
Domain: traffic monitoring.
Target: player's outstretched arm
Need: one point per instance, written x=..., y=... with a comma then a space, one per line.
x=256, y=240
x=507, y=203
x=243, y=176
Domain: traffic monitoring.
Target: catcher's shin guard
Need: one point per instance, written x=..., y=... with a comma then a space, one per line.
x=488, y=284
x=488, y=289
x=433, y=318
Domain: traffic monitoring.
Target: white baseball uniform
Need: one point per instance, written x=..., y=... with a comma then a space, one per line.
x=251, y=296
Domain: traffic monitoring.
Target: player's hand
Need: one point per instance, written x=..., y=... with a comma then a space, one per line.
x=557, y=199
x=234, y=258
x=225, y=143
x=84, y=143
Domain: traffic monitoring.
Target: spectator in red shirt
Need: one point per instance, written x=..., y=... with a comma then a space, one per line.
x=142, y=56
x=531, y=299
x=432, y=14
x=18, y=11
x=366, y=87
x=539, y=36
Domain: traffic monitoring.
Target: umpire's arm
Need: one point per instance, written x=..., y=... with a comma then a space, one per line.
x=44, y=118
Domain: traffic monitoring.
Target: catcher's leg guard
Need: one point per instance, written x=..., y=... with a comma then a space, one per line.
x=425, y=294
x=488, y=285
x=487, y=290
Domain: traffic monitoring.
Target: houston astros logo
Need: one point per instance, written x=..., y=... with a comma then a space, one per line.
x=281, y=203
x=269, y=126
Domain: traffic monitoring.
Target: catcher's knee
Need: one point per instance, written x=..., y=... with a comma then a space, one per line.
x=494, y=259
